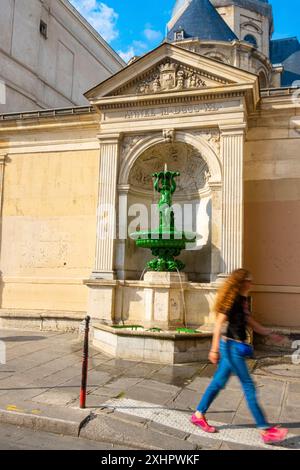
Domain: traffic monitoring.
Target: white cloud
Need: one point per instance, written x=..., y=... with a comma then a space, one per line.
x=152, y=34
x=102, y=17
x=137, y=48
x=128, y=54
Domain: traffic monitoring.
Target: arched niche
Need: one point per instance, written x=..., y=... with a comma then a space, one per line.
x=198, y=166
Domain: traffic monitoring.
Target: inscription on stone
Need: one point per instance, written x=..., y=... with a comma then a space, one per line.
x=173, y=110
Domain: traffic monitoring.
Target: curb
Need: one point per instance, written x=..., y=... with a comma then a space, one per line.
x=39, y=422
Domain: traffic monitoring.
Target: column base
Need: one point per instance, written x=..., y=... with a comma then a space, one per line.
x=108, y=275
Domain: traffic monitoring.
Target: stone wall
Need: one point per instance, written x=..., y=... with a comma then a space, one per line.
x=52, y=71
x=48, y=219
x=272, y=208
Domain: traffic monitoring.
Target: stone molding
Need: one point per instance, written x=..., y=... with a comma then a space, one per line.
x=206, y=95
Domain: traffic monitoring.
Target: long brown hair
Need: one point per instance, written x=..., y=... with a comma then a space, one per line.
x=230, y=290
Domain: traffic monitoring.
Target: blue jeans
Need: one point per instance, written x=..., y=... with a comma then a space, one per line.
x=232, y=362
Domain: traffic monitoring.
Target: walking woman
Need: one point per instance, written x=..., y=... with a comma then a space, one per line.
x=230, y=352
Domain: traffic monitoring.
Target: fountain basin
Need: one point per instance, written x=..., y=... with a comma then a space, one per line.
x=167, y=239
x=164, y=347
x=165, y=246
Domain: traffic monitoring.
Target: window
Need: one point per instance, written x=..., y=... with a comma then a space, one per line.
x=43, y=29
x=179, y=35
x=263, y=80
x=251, y=39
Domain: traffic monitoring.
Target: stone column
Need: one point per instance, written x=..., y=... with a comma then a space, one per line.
x=232, y=151
x=122, y=230
x=107, y=207
x=216, y=229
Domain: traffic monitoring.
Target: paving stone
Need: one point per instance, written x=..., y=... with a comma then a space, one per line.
x=176, y=375
x=163, y=387
x=208, y=371
x=104, y=392
x=165, y=429
x=293, y=399
x=227, y=400
x=203, y=442
x=122, y=364
x=152, y=395
x=107, y=428
x=243, y=420
x=221, y=416
x=232, y=446
x=290, y=414
x=59, y=396
x=199, y=384
x=94, y=380
x=294, y=387
x=28, y=393
x=142, y=370
x=187, y=400
x=233, y=384
x=272, y=413
x=97, y=403
x=123, y=383
x=59, y=377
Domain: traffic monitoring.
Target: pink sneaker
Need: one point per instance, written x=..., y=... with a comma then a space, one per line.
x=275, y=434
x=203, y=424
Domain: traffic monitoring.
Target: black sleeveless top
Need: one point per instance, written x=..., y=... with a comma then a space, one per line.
x=237, y=319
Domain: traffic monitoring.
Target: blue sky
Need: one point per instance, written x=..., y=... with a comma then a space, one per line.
x=133, y=27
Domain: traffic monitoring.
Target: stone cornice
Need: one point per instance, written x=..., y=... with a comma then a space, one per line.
x=233, y=129
x=234, y=91
x=109, y=138
x=54, y=122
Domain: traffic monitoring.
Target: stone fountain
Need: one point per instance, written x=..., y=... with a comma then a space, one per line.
x=162, y=334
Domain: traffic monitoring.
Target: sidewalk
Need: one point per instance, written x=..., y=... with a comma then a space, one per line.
x=145, y=406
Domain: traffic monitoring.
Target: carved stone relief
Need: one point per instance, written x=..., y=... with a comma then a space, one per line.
x=129, y=142
x=212, y=136
x=178, y=157
x=168, y=76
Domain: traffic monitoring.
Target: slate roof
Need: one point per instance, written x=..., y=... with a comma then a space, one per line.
x=287, y=52
x=201, y=20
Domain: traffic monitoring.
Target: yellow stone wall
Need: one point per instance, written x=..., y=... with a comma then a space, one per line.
x=48, y=229
x=272, y=208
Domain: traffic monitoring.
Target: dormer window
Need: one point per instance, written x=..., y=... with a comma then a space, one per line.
x=179, y=35
x=251, y=40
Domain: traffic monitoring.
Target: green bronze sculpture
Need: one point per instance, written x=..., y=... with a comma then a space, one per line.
x=166, y=242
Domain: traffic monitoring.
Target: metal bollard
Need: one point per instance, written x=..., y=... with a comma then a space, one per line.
x=85, y=360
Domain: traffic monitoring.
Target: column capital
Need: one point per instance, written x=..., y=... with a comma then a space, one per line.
x=123, y=188
x=215, y=186
x=109, y=138
x=233, y=129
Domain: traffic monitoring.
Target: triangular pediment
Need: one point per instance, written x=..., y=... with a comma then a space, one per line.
x=169, y=69
x=170, y=75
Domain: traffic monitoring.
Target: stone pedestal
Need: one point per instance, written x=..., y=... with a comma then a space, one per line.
x=101, y=300
x=164, y=299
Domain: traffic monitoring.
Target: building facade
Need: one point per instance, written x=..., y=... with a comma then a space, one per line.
x=235, y=143
x=49, y=55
